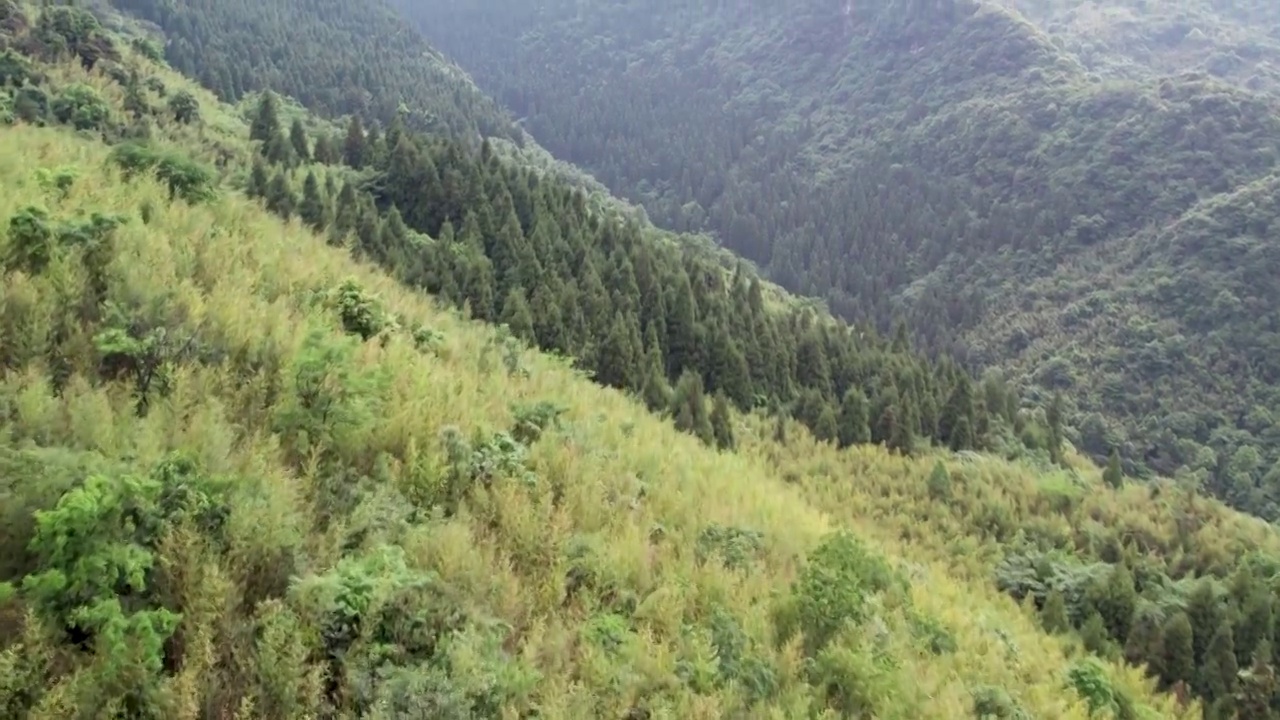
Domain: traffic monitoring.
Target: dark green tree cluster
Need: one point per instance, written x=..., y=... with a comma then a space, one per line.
x=334, y=57
x=883, y=161
x=663, y=321
x=1197, y=633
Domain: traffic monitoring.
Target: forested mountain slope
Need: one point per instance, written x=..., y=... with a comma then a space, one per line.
x=246, y=473
x=1236, y=40
x=248, y=469
x=948, y=162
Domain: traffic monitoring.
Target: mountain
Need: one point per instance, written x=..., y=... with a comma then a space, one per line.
x=1028, y=206
x=249, y=468
x=1238, y=41
x=248, y=472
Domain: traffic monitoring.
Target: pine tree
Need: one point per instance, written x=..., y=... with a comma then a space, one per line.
x=854, y=421
x=618, y=358
x=517, y=316
x=1054, y=614
x=1115, y=599
x=827, y=427
x=1113, y=475
x=324, y=152
x=939, y=483
x=721, y=423
x=689, y=408
x=277, y=151
x=1054, y=417
x=354, y=151
x=655, y=390
x=955, y=426
x=1258, y=685
x=266, y=120
x=1218, y=675
x=258, y=179
x=312, y=209
x=279, y=196
x=298, y=141
x=1093, y=635
x=1176, y=661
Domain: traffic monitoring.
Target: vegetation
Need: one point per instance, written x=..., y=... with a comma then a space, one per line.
x=1096, y=233
x=250, y=469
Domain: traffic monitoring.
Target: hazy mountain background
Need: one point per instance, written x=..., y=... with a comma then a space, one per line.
x=1075, y=196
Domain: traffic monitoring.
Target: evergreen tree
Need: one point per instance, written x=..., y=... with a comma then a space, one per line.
x=277, y=151
x=266, y=120
x=517, y=316
x=1116, y=599
x=1258, y=686
x=1054, y=614
x=1218, y=675
x=279, y=196
x=258, y=179
x=618, y=358
x=955, y=426
x=1054, y=417
x=312, y=209
x=722, y=423
x=939, y=483
x=354, y=151
x=1113, y=475
x=1176, y=661
x=827, y=427
x=298, y=141
x=854, y=421
x=655, y=392
x=689, y=408
x=324, y=151
x=1093, y=634
x=1143, y=642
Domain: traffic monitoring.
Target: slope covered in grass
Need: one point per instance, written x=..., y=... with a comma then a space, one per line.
x=247, y=476
x=272, y=517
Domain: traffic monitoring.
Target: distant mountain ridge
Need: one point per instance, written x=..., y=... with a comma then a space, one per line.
x=947, y=161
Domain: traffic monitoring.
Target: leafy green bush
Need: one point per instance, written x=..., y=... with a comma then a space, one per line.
x=81, y=107
x=833, y=591
x=186, y=178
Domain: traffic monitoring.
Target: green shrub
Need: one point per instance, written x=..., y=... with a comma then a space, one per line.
x=81, y=107
x=186, y=178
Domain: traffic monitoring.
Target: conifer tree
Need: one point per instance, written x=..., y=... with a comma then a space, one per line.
x=689, y=408
x=324, y=151
x=258, y=179
x=312, y=209
x=277, y=151
x=1176, y=661
x=1258, y=686
x=266, y=120
x=618, y=358
x=939, y=482
x=955, y=426
x=827, y=427
x=517, y=316
x=354, y=151
x=721, y=423
x=1054, y=417
x=1113, y=475
x=1218, y=674
x=279, y=196
x=854, y=421
x=655, y=391
x=1093, y=634
x=298, y=141
x=1054, y=614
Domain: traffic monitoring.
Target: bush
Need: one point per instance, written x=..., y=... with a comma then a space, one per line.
x=186, y=178
x=81, y=107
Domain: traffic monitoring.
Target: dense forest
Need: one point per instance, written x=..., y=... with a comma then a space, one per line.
x=1083, y=228
x=286, y=432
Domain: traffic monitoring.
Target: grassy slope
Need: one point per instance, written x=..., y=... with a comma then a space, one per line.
x=246, y=285
x=1082, y=172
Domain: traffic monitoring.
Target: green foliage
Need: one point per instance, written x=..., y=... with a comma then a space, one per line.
x=185, y=177
x=833, y=591
x=81, y=107
x=940, y=482
x=737, y=548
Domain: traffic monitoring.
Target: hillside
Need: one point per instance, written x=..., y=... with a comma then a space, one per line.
x=949, y=163
x=227, y=495
x=249, y=473
x=1236, y=40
